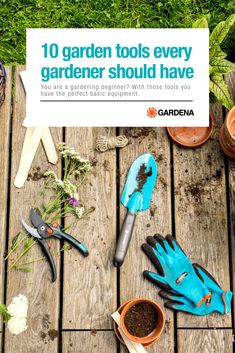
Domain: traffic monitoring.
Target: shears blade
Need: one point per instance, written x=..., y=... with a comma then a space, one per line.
x=31, y=230
x=35, y=218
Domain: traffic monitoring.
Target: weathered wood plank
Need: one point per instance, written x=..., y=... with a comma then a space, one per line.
x=5, y=121
x=230, y=78
x=205, y=341
x=91, y=281
x=201, y=215
x=43, y=295
x=156, y=219
x=88, y=341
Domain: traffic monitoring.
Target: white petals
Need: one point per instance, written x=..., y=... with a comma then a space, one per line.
x=79, y=211
x=17, y=325
x=18, y=310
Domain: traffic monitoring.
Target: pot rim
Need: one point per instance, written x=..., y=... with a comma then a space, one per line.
x=156, y=334
x=230, y=114
x=194, y=145
x=115, y=326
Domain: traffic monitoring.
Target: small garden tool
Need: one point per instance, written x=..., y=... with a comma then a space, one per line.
x=43, y=231
x=136, y=197
x=188, y=287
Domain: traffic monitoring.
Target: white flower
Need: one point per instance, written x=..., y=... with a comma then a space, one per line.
x=18, y=310
x=17, y=325
x=18, y=306
x=79, y=211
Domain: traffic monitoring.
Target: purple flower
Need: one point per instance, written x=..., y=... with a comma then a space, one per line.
x=72, y=201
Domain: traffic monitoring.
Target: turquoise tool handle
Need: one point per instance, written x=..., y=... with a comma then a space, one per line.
x=76, y=243
x=124, y=239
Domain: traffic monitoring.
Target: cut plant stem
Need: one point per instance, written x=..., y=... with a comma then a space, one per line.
x=24, y=252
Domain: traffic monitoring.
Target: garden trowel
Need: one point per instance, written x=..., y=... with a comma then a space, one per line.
x=136, y=197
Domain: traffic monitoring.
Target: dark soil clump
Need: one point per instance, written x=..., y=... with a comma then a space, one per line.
x=53, y=334
x=141, y=319
x=137, y=132
x=143, y=176
x=36, y=174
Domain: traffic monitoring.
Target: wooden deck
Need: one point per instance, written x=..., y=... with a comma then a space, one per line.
x=194, y=199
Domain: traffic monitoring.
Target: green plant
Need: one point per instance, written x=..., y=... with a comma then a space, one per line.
x=63, y=201
x=219, y=65
x=17, y=15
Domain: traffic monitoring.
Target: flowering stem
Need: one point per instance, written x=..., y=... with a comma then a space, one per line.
x=12, y=250
x=21, y=255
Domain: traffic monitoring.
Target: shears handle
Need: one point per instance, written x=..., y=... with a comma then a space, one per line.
x=47, y=253
x=74, y=242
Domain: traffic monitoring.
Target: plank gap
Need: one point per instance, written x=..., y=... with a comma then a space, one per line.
x=87, y=330
x=173, y=232
x=118, y=194
x=204, y=328
x=60, y=318
x=229, y=226
x=10, y=83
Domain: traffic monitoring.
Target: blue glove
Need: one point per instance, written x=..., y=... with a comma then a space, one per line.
x=220, y=300
x=175, y=271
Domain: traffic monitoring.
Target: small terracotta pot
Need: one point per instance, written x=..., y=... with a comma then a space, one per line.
x=227, y=134
x=152, y=337
x=191, y=137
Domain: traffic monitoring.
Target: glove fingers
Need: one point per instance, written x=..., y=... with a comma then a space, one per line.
x=169, y=295
x=156, y=244
x=159, y=239
x=148, y=250
x=200, y=269
x=207, y=279
x=156, y=279
x=173, y=243
x=175, y=305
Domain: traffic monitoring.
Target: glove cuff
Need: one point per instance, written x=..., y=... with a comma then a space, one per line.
x=227, y=297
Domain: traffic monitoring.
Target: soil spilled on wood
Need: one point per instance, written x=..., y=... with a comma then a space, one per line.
x=141, y=319
x=142, y=176
x=53, y=334
x=36, y=174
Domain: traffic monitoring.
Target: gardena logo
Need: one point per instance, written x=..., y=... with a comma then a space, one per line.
x=153, y=112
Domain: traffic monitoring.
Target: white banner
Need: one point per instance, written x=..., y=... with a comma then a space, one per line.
x=117, y=77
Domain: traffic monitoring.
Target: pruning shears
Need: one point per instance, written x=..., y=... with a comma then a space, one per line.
x=43, y=231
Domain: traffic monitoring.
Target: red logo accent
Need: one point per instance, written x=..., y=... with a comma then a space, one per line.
x=152, y=112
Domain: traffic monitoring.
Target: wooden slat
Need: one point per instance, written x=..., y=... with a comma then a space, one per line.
x=91, y=281
x=231, y=165
x=205, y=341
x=43, y=295
x=156, y=219
x=201, y=215
x=88, y=341
x=5, y=120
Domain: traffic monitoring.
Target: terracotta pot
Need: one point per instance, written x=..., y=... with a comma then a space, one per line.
x=156, y=334
x=191, y=136
x=227, y=134
x=115, y=326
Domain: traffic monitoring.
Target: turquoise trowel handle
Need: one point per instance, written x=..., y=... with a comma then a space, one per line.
x=124, y=239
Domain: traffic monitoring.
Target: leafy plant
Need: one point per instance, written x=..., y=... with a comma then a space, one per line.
x=64, y=201
x=219, y=65
x=17, y=15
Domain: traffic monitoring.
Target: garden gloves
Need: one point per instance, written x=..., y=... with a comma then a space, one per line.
x=186, y=286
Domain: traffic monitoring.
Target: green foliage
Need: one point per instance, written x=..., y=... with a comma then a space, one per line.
x=17, y=15
x=219, y=66
x=4, y=313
